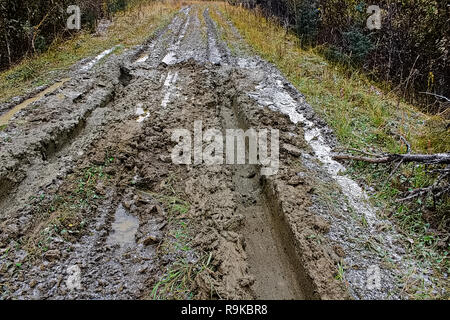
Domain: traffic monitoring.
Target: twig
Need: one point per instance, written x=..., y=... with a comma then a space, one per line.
x=411, y=72
x=433, y=188
x=436, y=95
x=357, y=150
x=386, y=158
x=393, y=171
x=408, y=146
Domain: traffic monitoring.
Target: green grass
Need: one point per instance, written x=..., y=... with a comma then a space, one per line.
x=177, y=281
x=61, y=214
x=340, y=274
x=178, y=278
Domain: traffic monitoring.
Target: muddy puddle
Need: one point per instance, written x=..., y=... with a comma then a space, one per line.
x=124, y=228
x=5, y=118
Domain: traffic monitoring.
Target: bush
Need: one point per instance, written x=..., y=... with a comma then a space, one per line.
x=411, y=51
x=307, y=22
x=357, y=45
x=28, y=27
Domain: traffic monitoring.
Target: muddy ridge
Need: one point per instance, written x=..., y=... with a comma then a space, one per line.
x=92, y=207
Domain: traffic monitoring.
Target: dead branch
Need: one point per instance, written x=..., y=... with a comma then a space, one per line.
x=434, y=189
x=436, y=95
x=408, y=146
x=438, y=158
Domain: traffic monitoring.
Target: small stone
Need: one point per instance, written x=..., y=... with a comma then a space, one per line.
x=52, y=255
x=165, y=158
x=160, y=210
x=152, y=239
x=33, y=283
x=99, y=158
x=246, y=281
x=321, y=224
x=339, y=251
x=142, y=270
x=127, y=204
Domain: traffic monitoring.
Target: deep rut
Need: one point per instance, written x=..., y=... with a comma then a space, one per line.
x=274, y=270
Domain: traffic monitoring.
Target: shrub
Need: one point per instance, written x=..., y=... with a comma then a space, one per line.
x=411, y=51
x=28, y=27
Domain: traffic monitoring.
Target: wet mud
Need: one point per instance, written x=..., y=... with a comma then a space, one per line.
x=92, y=207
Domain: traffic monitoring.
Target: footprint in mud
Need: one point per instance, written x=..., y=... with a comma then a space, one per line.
x=124, y=229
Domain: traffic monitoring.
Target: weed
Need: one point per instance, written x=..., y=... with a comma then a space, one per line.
x=178, y=280
x=340, y=275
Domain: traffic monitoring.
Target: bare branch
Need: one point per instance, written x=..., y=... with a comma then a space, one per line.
x=437, y=158
x=436, y=95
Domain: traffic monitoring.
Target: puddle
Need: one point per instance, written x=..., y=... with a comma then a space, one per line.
x=4, y=119
x=124, y=228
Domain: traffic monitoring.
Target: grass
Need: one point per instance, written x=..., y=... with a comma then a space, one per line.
x=128, y=29
x=61, y=214
x=364, y=115
x=340, y=274
x=177, y=281
x=179, y=276
x=64, y=214
x=361, y=114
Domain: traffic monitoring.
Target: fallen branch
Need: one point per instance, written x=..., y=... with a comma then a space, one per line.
x=435, y=189
x=438, y=158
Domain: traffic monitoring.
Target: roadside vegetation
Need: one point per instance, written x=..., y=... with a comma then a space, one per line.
x=368, y=118
x=409, y=55
x=129, y=27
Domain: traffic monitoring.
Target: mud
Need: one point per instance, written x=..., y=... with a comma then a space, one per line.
x=89, y=191
x=5, y=118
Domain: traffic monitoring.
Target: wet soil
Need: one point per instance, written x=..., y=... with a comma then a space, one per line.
x=88, y=188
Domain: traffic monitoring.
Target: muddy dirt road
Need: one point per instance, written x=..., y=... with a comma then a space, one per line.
x=92, y=207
